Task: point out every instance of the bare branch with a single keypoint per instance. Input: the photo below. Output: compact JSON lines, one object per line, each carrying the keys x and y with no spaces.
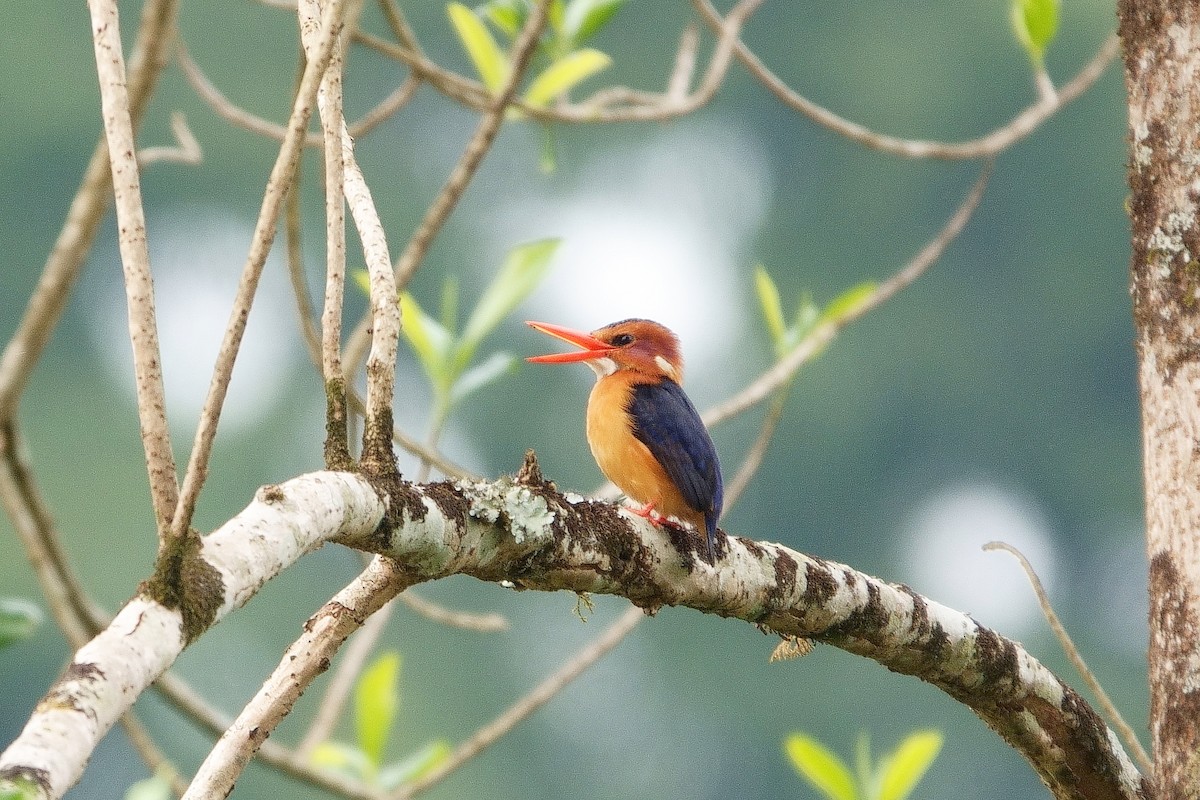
{"x":108,"y":673}
{"x":329,"y":712}
{"x":985,"y":146}
{"x":66,"y":258}
{"x":135,"y":259}
{"x":758,"y":450}
{"x":530,"y":534}
{"x":464,"y":171}
{"x":783,"y":370}
{"x":1064,"y":640}
{"x":527,"y":705}
{"x":466,"y":620}
{"x":307,"y":657}
{"x":614,"y":104}
{"x":236,"y":115}
{"x":260,"y":246}
{"x":186,"y":149}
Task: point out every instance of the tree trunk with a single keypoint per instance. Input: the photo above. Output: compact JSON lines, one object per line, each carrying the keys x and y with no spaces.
{"x":1162,"y":68}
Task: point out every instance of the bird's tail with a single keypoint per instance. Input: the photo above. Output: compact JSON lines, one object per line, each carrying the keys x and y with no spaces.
{"x":710,"y":524}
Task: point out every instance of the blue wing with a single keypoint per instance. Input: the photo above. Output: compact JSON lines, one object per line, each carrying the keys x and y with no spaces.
{"x":665,"y":420}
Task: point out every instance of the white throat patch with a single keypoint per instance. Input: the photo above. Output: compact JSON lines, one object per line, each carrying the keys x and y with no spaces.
{"x":602,"y":366}
{"x":666,"y":367}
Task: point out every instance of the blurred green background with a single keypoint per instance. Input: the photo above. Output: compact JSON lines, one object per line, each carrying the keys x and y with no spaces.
{"x":995,"y":399}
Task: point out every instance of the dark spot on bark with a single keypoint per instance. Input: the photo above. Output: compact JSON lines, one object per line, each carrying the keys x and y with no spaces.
{"x":920,"y":625}
{"x":271,"y":494}
{"x":337,"y":440}
{"x":996,"y":657}
{"x":449,"y":501}
{"x":86,"y":671}
{"x":688,"y":544}
{"x":780,"y":594}
{"x":939,"y":641}
{"x":819,"y":583}
{"x":1176,"y":710}
{"x":752,"y":547}
{"x":530,"y":473}
{"x":185,"y":582}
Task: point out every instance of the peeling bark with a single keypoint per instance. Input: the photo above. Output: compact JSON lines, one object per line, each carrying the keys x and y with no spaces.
{"x":1161,"y":41}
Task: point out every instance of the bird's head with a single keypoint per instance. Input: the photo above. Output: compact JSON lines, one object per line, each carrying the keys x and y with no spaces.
{"x":638,"y":345}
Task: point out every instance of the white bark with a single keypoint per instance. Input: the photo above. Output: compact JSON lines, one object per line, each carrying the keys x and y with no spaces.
{"x":522,"y":530}
{"x":108,"y":674}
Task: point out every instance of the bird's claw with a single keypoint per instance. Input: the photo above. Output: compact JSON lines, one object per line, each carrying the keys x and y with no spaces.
{"x":647,"y":512}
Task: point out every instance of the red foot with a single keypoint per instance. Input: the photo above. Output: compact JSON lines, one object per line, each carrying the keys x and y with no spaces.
{"x":647,"y":511}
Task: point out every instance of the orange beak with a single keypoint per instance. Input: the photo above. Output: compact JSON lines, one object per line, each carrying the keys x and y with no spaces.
{"x":592,"y":347}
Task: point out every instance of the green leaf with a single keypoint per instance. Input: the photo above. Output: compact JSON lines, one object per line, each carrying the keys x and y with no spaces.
{"x":429,"y":341}
{"x":489,"y":60}
{"x":376,"y":699}
{"x":848,"y":302}
{"x":901,"y":771}
{"x":524,"y":268}
{"x":18,"y":620}
{"x":821,"y":767}
{"x":564,"y":74}
{"x":496,"y":366}
{"x":585,"y":17}
{"x":414,"y":766}
{"x":555,"y":15}
{"x":768,"y":300}
{"x":507,"y":15}
{"x":1035,"y":23}
{"x":156,"y":787}
{"x":342,"y":758}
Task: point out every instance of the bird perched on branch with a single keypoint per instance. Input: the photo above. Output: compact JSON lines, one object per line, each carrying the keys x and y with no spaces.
{"x":644,"y":432}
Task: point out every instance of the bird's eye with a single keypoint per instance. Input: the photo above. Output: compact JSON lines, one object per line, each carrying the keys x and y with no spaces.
{"x":622,"y":339}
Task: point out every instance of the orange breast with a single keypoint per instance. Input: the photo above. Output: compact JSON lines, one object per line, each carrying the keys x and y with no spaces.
{"x":623,"y":458}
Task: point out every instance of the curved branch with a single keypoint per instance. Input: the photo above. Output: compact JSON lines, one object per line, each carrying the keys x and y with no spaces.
{"x":260,"y":245}
{"x":1048,"y":104}
{"x":783,"y":370}
{"x":527,"y":533}
{"x":66,"y":258}
{"x":613,"y":104}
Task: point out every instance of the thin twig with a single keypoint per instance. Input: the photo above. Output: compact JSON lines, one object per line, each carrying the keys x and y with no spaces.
{"x":758,"y":450}
{"x":45,"y":306}
{"x":992,"y":143}
{"x":329,"y":712}
{"x":186,"y":149}
{"x":329,"y":105}
{"x":782,"y":371}
{"x":187,"y":700}
{"x":614,"y":104}
{"x":520,"y":710}
{"x":385,"y":310}
{"x":302,"y":662}
{"x":240,"y":117}
{"x":466,"y":620}
{"x":464,"y":171}
{"x":1068,"y":645}
{"x":135,"y":259}
{"x":260,"y":246}
{"x":685,"y":64}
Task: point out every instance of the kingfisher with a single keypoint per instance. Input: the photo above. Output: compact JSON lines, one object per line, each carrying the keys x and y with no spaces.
{"x":644,"y":432}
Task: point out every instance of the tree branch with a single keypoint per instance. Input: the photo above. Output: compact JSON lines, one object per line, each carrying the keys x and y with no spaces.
{"x":135,"y":259}
{"x":529,"y":534}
